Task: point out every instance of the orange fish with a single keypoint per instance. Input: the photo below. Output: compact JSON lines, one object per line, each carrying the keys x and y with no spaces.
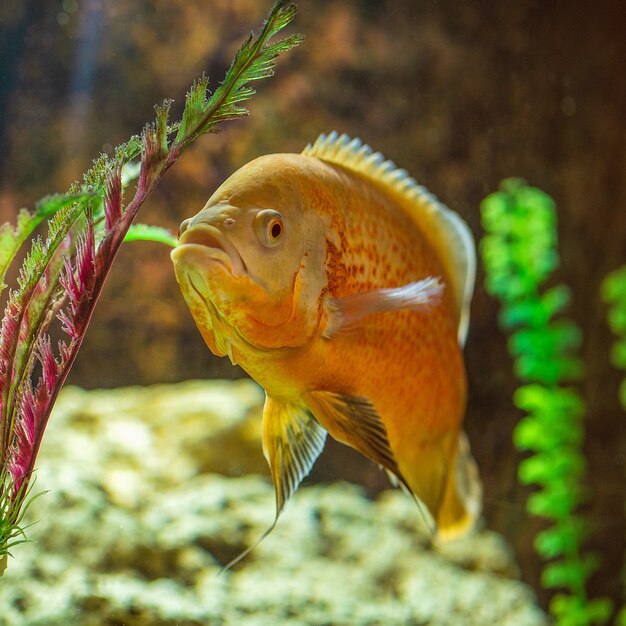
{"x":343,"y":288}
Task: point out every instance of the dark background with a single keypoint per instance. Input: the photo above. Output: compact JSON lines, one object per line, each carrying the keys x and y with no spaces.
{"x":461,"y":93}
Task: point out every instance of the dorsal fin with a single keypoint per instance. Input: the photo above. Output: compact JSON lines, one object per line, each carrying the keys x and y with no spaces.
{"x":449,"y":235}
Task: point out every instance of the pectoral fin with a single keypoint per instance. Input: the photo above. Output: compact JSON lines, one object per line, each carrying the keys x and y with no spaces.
{"x":447,"y":233}
{"x":344,"y":313}
{"x":353,"y":420}
{"x":292,"y":441}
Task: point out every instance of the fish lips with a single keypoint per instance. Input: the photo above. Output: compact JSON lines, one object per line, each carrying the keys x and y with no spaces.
{"x":204,"y":243}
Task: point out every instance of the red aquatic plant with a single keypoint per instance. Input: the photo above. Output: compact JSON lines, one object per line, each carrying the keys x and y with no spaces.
{"x":62,"y":277}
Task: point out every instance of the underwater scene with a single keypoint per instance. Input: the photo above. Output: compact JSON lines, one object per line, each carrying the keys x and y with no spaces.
{"x":314,"y":313}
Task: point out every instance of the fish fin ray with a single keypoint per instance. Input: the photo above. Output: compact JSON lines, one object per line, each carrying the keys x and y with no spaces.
{"x":249,"y":549}
{"x":461,"y":504}
{"x":292,"y":441}
{"x":427,"y":518}
{"x":393,"y":479}
{"x":345,"y":313}
{"x":353,"y":420}
{"x":443,"y":476}
{"x":445,"y":230}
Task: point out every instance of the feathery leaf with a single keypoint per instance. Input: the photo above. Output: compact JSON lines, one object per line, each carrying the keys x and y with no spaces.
{"x":255,"y":60}
{"x":62,"y":277}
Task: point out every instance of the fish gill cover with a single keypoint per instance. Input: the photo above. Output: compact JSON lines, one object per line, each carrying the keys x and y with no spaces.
{"x":61,"y":278}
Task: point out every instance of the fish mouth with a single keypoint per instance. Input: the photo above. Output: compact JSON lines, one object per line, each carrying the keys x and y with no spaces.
{"x":210,"y":242}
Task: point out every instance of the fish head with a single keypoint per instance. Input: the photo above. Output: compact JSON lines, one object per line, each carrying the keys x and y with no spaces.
{"x":250,"y":264}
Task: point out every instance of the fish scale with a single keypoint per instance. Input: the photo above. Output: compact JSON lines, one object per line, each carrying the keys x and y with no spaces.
{"x":351,"y":313}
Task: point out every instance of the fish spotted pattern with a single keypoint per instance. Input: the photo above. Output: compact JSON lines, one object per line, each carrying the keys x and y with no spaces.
{"x":343,"y":288}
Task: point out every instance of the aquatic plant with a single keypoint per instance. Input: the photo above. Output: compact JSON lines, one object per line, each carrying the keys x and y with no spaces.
{"x":519,"y":252}
{"x":613,"y":291}
{"x":62,"y":277}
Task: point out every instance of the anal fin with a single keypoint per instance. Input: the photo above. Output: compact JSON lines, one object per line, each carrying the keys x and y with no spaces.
{"x":353,"y":420}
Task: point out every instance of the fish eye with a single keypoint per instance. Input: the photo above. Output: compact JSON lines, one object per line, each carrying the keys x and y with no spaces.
{"x":269,"y":227}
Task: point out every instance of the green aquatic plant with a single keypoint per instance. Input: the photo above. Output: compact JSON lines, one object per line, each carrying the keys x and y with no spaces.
{"x":519,"y":252}
{"x":62,"y":277}
{"x":613,"y":291}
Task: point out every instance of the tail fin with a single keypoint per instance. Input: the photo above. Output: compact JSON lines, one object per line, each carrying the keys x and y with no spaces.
{"x":461,"y":503}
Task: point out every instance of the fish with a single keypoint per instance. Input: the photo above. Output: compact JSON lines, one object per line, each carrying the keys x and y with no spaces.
{"x":343,"y":287}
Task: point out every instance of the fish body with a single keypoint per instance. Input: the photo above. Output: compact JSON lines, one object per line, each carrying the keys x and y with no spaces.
{"x":343,"y":288}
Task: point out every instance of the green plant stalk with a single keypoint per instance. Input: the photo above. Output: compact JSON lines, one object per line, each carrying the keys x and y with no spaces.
{"x":613,"y":292}
{"x":63,"y":277}
{"x":519,"y":252}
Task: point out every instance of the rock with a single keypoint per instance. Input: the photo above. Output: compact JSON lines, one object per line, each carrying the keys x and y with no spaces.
{"x":153,"y":490}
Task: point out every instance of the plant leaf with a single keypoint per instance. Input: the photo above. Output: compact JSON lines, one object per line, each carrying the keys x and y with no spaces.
{"x":145,"y":232}
{"x":63,"y":277}
{"x":255,"y":60}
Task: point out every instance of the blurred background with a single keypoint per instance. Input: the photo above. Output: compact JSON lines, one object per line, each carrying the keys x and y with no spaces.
{"x":461,"y":93}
